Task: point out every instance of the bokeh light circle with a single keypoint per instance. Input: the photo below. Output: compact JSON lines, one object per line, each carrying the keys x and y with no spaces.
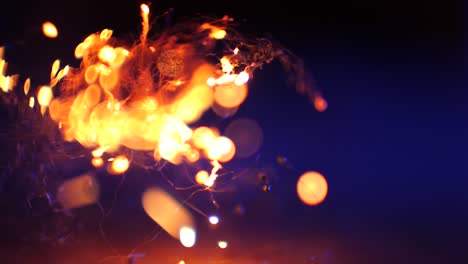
{"x":312,"y":188}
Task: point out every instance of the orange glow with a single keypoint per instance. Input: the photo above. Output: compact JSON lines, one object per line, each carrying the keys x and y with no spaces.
{"x":44,"y":96}
{"x":215,"y":32}
{"x":55,"y":68}
{"x":144,"y":9}
{"x":27,"y":85}
{"x":320,"y":104}
{"x":242,"y":78}
{"x":218,"y":34}
{"x":312,"y":188}
{"x":223,"y":150}
{"x":7,"y":83}
{"x":99,"y":151}
{"x":149,"y":95}
{"x":192,"y":155}
{"x":230,"y":95}
{"x":107,"y":54}
{"x":223,"y":111}
{"x":97,"y":162}
{"x":201,"y":177}
{"x":204,"y":137}
{"x":49,"y":30}
{"x":226,"y":65}
{"x":120,"y":165}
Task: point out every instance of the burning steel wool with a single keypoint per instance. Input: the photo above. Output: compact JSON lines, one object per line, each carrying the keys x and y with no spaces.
{"x":128,"y":102}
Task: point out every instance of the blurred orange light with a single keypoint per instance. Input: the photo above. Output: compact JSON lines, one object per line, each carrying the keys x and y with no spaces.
{"x":119,"y":165}
{"x":320,"y":104}
{"x":201,"y":177}
{"x":312,"y":188}
{"x":230,"y":95}
{"x":97,"y":162}
{"x":49,"y":30}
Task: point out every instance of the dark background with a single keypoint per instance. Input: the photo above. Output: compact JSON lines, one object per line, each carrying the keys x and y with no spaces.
{"x":392,"y":144}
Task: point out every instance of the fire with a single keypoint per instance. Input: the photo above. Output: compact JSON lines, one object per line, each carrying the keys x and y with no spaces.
{"x":148,"y":96}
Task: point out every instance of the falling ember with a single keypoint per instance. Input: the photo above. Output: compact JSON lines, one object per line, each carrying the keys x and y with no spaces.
{"x":312,"y":188}
{"x":49,"y":30}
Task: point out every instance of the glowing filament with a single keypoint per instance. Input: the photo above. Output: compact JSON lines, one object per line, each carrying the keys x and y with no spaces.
{"x":214,"y":174}
{"x":145,"y":24}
